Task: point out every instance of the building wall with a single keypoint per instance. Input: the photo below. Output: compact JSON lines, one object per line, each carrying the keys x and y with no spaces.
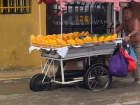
{"x":135,"y":8}
{"x":15,"y":30}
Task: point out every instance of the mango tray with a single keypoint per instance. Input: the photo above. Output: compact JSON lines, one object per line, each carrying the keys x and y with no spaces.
{"x":49,"y":46}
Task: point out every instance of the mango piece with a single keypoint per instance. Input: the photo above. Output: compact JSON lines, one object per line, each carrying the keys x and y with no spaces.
{"x":114,"y":37}
{"x":54,"y":36}
{"x":87,"y":39}
{"x":71,"y":36}
{"x":107,"y":39}
{"x":71,"y":42}
{"x":48,"y":37}
{"x":101,"y":39}
{"x":79,"y":41}
{"x":32,"y":38}
{"x":54,"y":43}
{"x":76,"y":34}
{"x":95,"y":39}
{"x":82,"y":33}
{"x":50,"y":41}
{"x":65,"y":37}
{"x":85,"y":34}
{"x":62,"y":43}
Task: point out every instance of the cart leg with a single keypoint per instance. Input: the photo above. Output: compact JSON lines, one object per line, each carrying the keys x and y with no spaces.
{"x":53,"y":70}
{"x":47,"y":71}
{"x":62,"y":71}
{"x":89,"y":55}
{"x":41,"y":64}
{"x":44,"y":66}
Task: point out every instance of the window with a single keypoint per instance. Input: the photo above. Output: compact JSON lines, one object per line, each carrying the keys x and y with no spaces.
{"x":15,"y":6}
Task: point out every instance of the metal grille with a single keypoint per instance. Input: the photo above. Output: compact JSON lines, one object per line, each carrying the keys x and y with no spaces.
{"x":80,"y":16}
{"x":14,"y":6}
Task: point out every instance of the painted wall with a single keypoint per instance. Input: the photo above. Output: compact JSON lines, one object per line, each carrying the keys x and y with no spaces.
{"x":14,"y":37}
{"x":135,"y":8}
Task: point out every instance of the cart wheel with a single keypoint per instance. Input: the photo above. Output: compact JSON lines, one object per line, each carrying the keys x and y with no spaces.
{"x":96,"y":77}
{"x":37,"y":85}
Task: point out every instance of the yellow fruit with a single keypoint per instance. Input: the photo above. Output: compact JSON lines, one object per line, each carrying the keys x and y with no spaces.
{"x":82,"y":33}
{"x":95,"y":39}
{"x":54,"y":42}
{"x":48,"y":37}
{"x":87,"y":39}
{"x":107,"y":39}
{"x":114,"y":37}
{"x":54,"y":36}
{"x":85,"y":34}
{"x":50,"y":41}
{"x":71,"y":42}
{"x":42,"y":40}
{"x":71,"y":36}
{"x":79,"y":41}
{"x":46,"y":42}
{"x":59,"y":36}
{"x":76,"y":34}
{"x":38,"y":40}
{"x":101,"y":39}
{"x":40,"y":36}
{"x":62,"y":43}
{"x":65,"y":37}
{"x":32,"y":38}
{"x":76,"y":39}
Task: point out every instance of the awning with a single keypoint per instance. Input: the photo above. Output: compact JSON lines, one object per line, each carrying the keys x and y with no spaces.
{"x":61,"y":3}
{"x":47,"y":1}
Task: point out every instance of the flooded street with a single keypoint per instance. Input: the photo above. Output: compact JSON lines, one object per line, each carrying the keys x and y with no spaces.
{"x":17,"y":92}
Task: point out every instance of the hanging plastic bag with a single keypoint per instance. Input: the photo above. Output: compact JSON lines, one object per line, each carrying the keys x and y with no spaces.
{"x":118,"y":66}
{"x":131,"y":61}
{"x":132,"y":54}
{"x":126,"y":46}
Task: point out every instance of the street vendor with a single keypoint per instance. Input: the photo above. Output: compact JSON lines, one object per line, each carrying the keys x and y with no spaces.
{"x":131,"y":28}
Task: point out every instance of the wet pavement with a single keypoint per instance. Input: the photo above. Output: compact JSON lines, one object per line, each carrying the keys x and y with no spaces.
{"x":17,"y":92}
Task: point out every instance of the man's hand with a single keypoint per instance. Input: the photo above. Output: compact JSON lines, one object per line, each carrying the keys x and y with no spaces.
{"x":127,"y":38}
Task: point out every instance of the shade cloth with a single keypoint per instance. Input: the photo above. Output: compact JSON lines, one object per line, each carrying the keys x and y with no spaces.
{"x":62,"y":4}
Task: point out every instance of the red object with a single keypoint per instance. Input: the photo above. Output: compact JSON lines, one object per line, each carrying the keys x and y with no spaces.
{"x":46,"y":1}
{"x":131,"y":61}
{"x":59,"y":14}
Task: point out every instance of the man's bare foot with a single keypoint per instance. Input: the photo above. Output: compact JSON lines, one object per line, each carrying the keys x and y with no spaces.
{"x":136,"y":80}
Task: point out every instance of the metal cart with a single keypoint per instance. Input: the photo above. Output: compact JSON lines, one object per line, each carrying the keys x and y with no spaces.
{"x":94,"y":75}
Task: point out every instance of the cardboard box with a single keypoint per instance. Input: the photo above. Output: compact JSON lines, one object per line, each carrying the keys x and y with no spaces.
{"x":75,"y":64}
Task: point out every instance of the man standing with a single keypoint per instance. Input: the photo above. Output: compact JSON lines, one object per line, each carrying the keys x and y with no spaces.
{"x":131,"y":28}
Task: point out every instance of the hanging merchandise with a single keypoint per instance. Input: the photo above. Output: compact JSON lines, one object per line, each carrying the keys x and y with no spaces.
{"x":116,"y":2}
{"x":46,"y":1}
{"x":118,"y":64}
{"x":126,"y":47}
{"x":131,"y":61}
{"x":124,"y":4}
{"x":132,"y":54}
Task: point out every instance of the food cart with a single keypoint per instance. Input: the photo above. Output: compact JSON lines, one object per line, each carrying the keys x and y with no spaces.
{"x":93,"y":75}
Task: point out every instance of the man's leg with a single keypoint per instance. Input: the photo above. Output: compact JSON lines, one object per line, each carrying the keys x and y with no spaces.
{"x":135,"y":73}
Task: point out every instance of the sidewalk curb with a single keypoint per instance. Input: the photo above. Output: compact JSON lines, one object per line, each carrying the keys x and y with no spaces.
{"x":6,"y":79}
